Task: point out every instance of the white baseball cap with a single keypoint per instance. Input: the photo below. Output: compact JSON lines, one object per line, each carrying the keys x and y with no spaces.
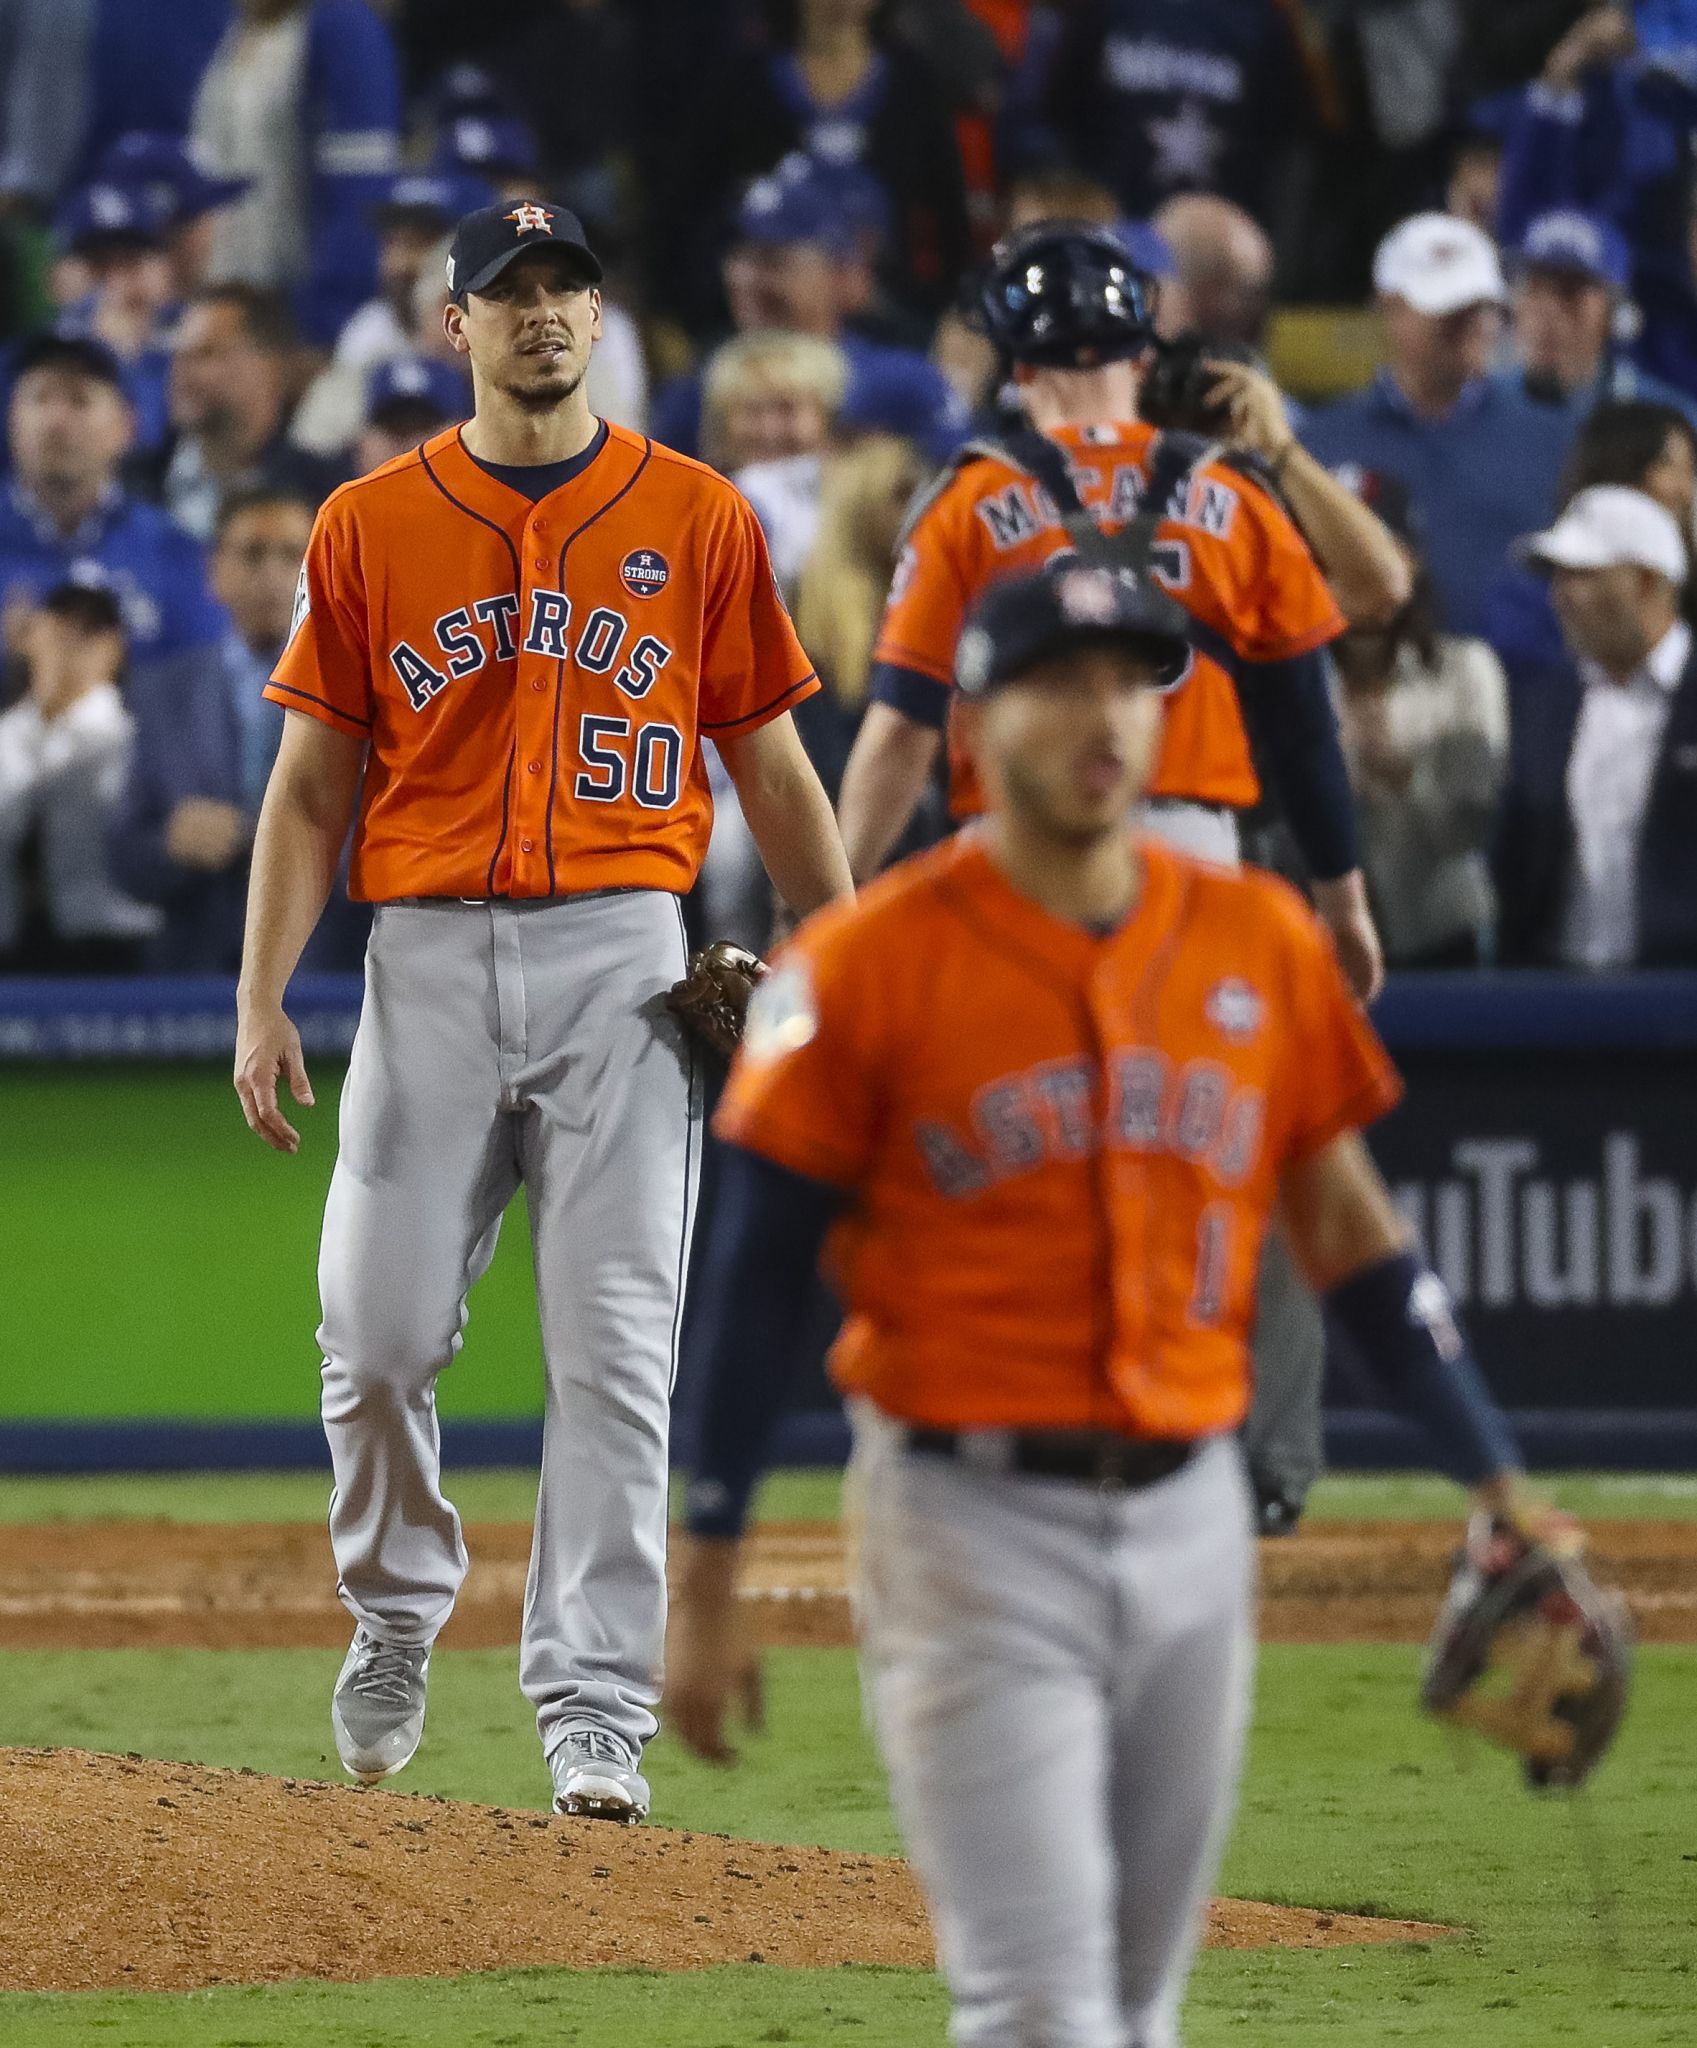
{"x":1606,"y":526}
{"x":1438,"y":264}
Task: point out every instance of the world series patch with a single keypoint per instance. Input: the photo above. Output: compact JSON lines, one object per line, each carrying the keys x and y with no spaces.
{"x":644,"y":573}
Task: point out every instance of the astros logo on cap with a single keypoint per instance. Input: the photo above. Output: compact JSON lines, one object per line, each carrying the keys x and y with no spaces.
{"x":527,"y":217}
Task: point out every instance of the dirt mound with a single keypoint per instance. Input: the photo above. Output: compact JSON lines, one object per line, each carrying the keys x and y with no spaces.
{"x":120,"y":1873}
{"x":265,"y":1585}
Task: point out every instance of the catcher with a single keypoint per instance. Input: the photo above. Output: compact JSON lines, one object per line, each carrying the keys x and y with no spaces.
{"x":1040,"y":1091}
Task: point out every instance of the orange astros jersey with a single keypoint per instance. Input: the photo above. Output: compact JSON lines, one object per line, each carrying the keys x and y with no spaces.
{"x":535,"y":680}
{"x":1233,"y":559}
{"x":1063,"y":1149}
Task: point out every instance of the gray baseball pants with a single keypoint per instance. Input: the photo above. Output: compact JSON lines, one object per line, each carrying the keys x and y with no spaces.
{"x":1059,"y":1678}
{"x":502,"y":1043}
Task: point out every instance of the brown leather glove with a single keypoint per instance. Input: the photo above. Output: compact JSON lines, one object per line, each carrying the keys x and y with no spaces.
{"x":711,"y":1001}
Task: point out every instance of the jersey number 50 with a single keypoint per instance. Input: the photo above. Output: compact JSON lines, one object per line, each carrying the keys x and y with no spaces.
{"x":648,"y":765}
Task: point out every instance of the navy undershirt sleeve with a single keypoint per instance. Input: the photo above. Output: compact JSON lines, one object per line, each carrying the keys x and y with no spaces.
{"x":919,"y":697}
{"x":757,"y":1278}
{"x":1396,"y":1317}
{"x":1288,"y":704}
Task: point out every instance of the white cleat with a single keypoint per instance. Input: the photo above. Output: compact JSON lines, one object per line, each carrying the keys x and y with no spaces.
{"x":377,"y":1709}
{"x":596,"y":1778}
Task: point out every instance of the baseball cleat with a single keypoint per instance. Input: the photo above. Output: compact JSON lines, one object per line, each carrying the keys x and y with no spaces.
{"x":596,"y":1778}
{"x":377,"y":1709}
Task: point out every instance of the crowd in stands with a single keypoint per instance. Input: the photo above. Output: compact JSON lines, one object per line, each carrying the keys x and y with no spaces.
{"x":222,"y":235}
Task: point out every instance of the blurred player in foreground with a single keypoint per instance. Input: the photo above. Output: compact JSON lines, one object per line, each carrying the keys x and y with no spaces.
{"x":1044,"y":1087}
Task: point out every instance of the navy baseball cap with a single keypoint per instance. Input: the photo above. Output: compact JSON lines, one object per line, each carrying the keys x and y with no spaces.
{"x":488,"y":143}
{"x":434,"y":199}
{"x":1022,"y":620}
{"x":111,"y":214}
{"x":794,"y":204}
{"x":486,"y":241}
{"x":418,"y":381}
{"x":161,"y":164}
{"x":1583,"y":243}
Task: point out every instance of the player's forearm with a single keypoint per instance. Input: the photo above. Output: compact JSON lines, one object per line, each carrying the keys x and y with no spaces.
{"x":790,"y":816}
{"x":891,"y":762}
{"x":295,"y":853}
{"x":1358,"y":555}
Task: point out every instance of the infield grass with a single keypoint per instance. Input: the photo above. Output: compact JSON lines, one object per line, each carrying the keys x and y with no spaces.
{"x":1351,"y":1803}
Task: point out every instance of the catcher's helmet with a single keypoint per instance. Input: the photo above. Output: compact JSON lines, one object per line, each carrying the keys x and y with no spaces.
{"x":1067,"y":295}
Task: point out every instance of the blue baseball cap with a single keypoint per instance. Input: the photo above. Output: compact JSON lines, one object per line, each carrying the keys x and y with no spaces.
{"x":417,"y":380}
{"x":1148,"y":248}
{"x":1584,"y":243}
{"x":180,"y":189}
{"x":795,"y":204}
{"x":106,"y":214}
{"x":486,"y":241}
{"x":434,"y":199}
{"x":489,"y":143}
{"x":1023,"y":620}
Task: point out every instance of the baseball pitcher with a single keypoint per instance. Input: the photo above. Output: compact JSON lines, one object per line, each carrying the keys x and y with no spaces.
{"x":509,"y":646}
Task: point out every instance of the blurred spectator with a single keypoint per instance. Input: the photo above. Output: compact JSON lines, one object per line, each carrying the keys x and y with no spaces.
{"x":205,"y":739}
{"x":498,"y":150}
{"x":1424,"y":719}
{"x":836,"y":86}
{"x":794,"y":264}
{"x":144,"y":69}
{"x":413,"y":220}
{"x":772,"y":402}
{"x":1478,"y":458}
{"x":1156,"y":97}
{"x":770,"y":396}
{"x":1597,"y":849}
{"x":407,"y":401}
{"x":573,"y":68}
{"x":1223,"y":270}
{"x":188,"y":201}
{"x":44,"y":48}
{"x":301,"y":98}
{"x":115,"y":261}
{"x":1649,"y":448}
{"x":66,"y":516}
{"x":63,"y":752}
{"x":1058,"y":192}
{"x":1472,"y":190}
{"x":232,"y":378}
{"x":1570,"y":299}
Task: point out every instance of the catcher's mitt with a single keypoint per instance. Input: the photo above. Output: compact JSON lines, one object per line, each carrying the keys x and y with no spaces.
{"x":712,"y":999}
{"x":1529,"y":1650}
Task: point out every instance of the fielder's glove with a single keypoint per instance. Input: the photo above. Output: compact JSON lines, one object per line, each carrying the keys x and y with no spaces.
{"x":712,"y":999}
{"x":1529,"y":1650}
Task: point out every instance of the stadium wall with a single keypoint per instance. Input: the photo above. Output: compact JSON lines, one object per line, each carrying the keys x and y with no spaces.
{"x":162,"y":1263}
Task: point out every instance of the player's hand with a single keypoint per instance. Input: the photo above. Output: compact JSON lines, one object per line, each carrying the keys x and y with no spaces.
{"x":711,"y":1665}
{"x":1257,"y":420}
{"x":204,"y":832}
{"x":1508,"y":1498}
{"x":1342,"y":906}
{"x":268,"y":1045}
{"x":1599,"y":37}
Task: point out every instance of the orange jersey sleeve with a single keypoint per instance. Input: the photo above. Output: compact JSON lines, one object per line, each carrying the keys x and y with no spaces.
{"x":1250,"y":574}
{"x":804,"y":1089}
{"x":938,"y":575}
{"x":325,"y":669}
{"x":753,"y":667}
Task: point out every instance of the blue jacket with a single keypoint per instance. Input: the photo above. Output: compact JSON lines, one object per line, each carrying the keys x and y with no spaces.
{"x":1533,"y":855}
{"x":189,"y":742}
{"x":155,"y":569}
{"x":1478,"y":479}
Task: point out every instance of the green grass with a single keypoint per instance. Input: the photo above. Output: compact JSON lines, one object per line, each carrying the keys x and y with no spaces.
{"x":509,"y":1495}
{"x":1351,"y":1802}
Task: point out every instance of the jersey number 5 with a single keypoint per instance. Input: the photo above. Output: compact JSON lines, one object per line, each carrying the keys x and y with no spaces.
{"x":649,"y":765}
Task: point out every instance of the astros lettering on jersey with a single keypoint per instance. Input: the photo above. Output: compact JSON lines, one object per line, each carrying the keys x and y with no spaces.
{"x":1064,"y":1148}
{"x":535,"y":680}
{"x":1230,"y":555}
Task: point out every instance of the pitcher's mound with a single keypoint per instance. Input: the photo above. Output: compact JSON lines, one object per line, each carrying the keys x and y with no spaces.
{"x":123,"y":1873}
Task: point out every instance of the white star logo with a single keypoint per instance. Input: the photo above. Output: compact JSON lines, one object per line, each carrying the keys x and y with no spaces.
{"x":1187,"y":146}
